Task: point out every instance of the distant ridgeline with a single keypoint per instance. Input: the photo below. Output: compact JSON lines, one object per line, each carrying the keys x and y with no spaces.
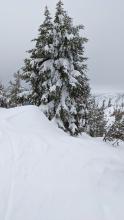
{"x":112,"y":103}
{"x":114,"y":113}
{"x":116,"y":100}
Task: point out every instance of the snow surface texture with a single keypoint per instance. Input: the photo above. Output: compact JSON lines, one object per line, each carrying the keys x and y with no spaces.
{"x":47,"y":175}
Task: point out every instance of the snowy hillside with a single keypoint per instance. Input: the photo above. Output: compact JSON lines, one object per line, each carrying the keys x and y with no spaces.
{"x":47,"y":175}
{"x":116,"y":98}
{"x":116,"y":102}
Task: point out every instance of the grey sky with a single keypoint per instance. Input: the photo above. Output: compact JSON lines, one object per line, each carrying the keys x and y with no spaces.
{"x":104,"y":26}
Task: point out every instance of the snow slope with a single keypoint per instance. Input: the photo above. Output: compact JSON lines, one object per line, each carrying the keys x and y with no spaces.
{"x":47,"y":175}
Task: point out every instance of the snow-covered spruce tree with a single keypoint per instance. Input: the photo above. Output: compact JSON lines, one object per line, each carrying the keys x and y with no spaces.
{"x":56,"y":71}
{"x":71,"y":88}
{"x":3,"y":99}
{"x":96,"y":119}
{"x":116,"y":131}
{"x":37,"y":69}
{"x":14,"y":91}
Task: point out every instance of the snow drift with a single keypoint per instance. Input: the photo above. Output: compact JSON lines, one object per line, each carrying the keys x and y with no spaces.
{"x":47,"y":175}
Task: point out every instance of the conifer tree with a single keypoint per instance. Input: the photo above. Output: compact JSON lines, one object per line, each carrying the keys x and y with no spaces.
{"x":109,"y":102}
{"x":96,"y":119}
{"x":37,"y":70}
{"x":3,"y":98}
{"x":56,"y":72}
{"x":116,"y":131}
{"x":14,"y":91}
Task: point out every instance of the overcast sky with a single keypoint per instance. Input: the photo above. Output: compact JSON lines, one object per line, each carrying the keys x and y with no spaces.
{"x":104,"y":27}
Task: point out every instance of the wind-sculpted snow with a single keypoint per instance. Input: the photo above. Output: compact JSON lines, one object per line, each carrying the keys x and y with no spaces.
{"x":46,"y":174}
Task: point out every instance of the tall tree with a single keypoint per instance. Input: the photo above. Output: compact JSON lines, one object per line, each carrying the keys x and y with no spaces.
{"x":36,"y":70}
{"x":56,"y":72}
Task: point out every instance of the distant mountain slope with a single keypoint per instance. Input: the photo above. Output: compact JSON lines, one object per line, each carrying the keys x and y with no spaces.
{"x":111,"y":101}
{"x":117,"y":99}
